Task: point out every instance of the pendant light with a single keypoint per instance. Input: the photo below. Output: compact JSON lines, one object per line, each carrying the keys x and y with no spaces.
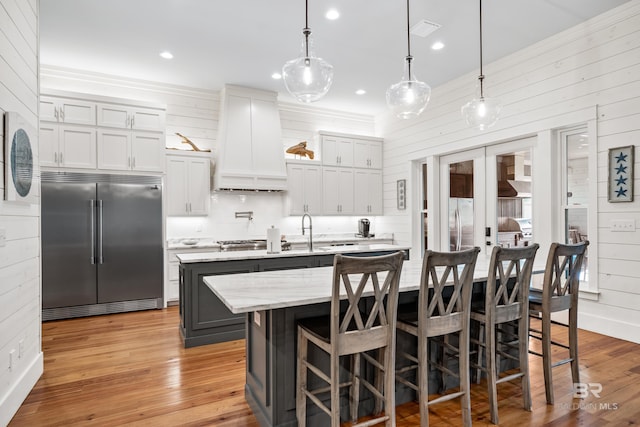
{"x":409,"y":97}
{"x":482,"y":112}
{"x":308,"y":78}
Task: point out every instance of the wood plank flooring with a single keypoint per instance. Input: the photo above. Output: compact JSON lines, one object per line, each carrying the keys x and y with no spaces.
{"x":131,"y":369}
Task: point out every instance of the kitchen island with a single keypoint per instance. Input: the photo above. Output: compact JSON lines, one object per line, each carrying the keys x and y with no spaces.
{"x":271,"y":324}
{"x":204,"y":319}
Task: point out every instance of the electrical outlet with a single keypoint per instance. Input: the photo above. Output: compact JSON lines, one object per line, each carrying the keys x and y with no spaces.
{"x":623,"y":225}
{"x":3,"y":237}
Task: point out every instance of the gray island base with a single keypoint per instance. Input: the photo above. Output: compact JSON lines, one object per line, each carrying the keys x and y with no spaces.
{"x":274,"y":302}
{"x":204,"y":319}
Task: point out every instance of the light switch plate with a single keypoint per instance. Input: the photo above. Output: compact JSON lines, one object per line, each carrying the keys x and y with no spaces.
{"x":3,"y":237}
{"x":623,"y":225}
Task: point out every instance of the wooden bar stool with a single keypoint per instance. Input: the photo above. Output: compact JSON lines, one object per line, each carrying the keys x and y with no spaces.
{"x":506,"y":300}
{"x":559,"y":292}
{"x":441,"y":312}
{"x":364,"y":326}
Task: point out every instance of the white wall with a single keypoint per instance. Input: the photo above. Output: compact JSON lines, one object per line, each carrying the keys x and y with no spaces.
{"x":20,"y":257}
{"x":587,"y":74}
{"x":194,"y":113}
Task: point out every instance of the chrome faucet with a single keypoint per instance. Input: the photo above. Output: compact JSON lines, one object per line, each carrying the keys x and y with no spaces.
{"x":310,"y":230}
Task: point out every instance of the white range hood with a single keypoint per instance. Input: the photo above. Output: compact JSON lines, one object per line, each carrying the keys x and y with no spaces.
{"x":250,"y":151}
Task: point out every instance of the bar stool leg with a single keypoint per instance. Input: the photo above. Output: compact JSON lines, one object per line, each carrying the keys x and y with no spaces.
{"x":573,"y":344}
{"x":492,"y":376}
{"x":355,"y":386}
{"x":335,"y":390}
{"x":301,"y":381}
{"x":380,"y":379}
{"x":546,"y":356}
{"x":423,"y":380}
{"x":463,"y":354}
{"x":523,"y":346}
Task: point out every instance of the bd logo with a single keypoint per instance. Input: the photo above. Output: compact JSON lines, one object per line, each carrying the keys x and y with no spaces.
{"x":582,"y":390}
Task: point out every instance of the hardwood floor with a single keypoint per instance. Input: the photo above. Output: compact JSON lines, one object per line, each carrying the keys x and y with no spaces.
{"x":131,"y":369}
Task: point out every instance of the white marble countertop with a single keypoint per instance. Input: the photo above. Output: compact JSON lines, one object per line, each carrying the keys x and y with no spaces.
{"x":318,"y":250}
{"x":243,"y":293}
{"x":318,"y":240}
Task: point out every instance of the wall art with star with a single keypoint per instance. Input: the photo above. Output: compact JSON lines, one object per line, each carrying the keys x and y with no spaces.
{"x":621,"y":174}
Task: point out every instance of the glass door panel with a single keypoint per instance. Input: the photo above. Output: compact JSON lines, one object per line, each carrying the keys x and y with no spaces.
{"x":462,"y":207}
{"x":576,"y":196}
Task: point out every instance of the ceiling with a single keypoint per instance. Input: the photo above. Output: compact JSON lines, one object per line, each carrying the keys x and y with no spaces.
{"x":244,"y":42}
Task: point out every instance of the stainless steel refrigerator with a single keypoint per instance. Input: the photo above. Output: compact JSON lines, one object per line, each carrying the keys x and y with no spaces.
{"x":101,"y":244}
{"x":460,"y":224}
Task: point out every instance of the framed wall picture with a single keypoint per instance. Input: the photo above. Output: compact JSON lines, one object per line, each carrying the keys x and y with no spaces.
{"x":19,"y":141}
{"x":402,"y":193}
{"x":621,"y":174}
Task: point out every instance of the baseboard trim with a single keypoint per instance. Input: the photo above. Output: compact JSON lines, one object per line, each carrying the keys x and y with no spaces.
{"x":610,"y":327}
{"x":16,"y":395}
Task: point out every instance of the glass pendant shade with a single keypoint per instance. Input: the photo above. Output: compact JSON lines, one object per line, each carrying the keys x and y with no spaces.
{"x":308,"y":78}
{"x":481,"y":113}
{"x":409,"y":97}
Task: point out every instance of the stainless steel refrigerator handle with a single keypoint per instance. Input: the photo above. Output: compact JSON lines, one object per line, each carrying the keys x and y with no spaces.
{"x":92,"y":216}
{"x":100,"y":221}
{"x":459,"y":226}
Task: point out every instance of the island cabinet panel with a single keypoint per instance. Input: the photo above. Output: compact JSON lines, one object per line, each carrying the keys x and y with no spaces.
{"x":204,"y":319}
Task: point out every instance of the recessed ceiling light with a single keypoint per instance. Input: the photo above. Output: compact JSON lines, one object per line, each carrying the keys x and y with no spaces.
{"x":361,"y":92}
{"x":332,"y":14}
{"x":437,"y":45}
{"x":166,"y":54}
{"x":276,"y":76}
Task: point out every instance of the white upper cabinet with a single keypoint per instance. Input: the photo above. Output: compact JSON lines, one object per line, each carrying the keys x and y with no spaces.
{"x":367,"y":153}
{"x":67,"y":146}
{"x":126,"y":150}
{"x":337,"y":151}
{"x":109,"y":136}
{"x":250,"y":154}
{"x":67,"y":110}
{"x":188,"y":177}
{"x":128,"y":117}
{"x":305,"y":188}
{"x":368,"y":192}
{"x":338,"y":194}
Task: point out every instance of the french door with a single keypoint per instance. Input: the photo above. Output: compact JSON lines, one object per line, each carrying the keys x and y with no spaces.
{"x":486,"y":198}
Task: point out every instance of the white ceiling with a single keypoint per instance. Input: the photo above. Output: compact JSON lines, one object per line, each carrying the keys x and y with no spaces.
{"x":244,"y":41}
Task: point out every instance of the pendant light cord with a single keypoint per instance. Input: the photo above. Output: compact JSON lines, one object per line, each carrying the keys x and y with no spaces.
{"x":481,"y":76}
{"x":306,"y":31}
{"x":409,"y":57}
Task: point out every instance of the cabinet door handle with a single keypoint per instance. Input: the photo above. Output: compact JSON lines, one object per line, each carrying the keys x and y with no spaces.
{"x":61,"y":114}
{"x":133,"y":121}
{"x":190,"y":208}
{"x":55,"y":112}
{"x":61,"y":158}
{"x":129,"y":162}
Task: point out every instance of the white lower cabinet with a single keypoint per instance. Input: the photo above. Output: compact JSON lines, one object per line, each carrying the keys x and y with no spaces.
{"x":67,"y":146}
{"x":338,"y":191}
{"x":305,"y":188}
{"x":368,"y":191}
{"x":172,"y":280}
{"x":188,"y":184}
{"x":127,"y":150}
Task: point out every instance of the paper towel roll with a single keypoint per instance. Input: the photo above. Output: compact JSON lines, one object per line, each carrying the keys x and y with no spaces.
{"x":273,"y":240}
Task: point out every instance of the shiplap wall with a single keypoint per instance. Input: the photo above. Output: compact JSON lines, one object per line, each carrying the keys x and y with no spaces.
{"x":589,"y":71}
{"x":20,"y":257}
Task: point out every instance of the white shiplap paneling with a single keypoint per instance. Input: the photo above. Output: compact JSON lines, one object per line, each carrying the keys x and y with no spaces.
{"x":19,"y":257}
